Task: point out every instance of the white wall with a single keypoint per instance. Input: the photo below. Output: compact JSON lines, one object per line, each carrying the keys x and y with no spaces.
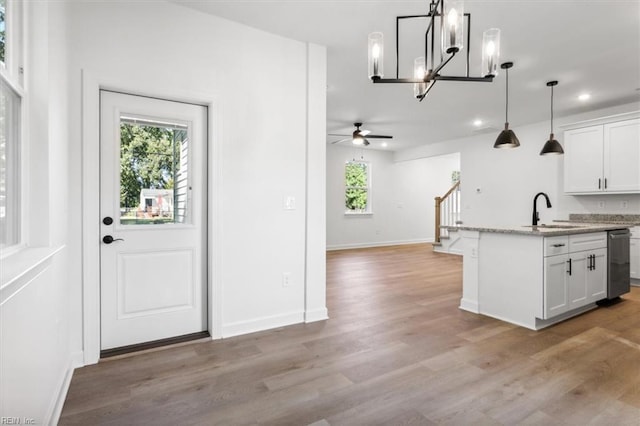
{"x":402,"y":198}
{"x":508,"y":180}
{"x":37,"y":323}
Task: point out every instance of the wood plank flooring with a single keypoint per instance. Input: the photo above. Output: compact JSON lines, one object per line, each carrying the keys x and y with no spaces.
{"x":397,"y":350}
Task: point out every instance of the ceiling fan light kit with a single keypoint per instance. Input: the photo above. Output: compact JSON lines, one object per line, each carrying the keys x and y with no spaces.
{"x":447,"y":17}
{"x":358,"y":136}
{"x":506,"y":138}
{"x":552,"y":146}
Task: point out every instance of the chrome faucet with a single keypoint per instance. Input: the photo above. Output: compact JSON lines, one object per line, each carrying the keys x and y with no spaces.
{"x":536,"y":216}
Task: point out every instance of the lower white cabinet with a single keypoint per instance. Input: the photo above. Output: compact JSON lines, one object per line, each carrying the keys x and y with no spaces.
{"x":556,"y":294}
{"x":575,"y":278}
{"x":634,"y":252}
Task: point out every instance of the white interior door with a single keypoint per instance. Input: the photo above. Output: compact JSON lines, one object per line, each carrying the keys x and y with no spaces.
{"x":153,"y":219}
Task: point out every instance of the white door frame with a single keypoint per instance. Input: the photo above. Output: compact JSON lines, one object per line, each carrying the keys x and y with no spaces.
{"x":91,"y":86}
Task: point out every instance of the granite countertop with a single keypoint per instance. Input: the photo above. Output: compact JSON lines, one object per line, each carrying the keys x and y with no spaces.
{"x":550,"y":230}
{"x":626,"y":219}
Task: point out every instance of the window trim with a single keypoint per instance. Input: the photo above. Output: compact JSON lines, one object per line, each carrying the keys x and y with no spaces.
{"x":11,"y":73}
{"x":369,"y":210}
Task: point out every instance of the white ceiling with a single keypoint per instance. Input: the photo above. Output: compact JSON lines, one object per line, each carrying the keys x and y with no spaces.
{"x":588,"y":46}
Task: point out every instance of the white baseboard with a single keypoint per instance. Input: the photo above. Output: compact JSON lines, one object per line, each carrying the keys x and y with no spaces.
{"x":469,"y":305}
{"x":316,"y":315}
{"x":377,"y":244}
{"x":77,"y":359}
{"x":261,"y":324}
{"x":57,"y":402}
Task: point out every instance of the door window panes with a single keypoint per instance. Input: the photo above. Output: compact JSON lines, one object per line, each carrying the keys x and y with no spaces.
{"x":154,"y":181}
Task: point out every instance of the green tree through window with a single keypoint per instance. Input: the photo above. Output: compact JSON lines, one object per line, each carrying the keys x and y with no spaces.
{"x":147,"y":160}
{"x":3,"y":14}
{"x":356,"y":186}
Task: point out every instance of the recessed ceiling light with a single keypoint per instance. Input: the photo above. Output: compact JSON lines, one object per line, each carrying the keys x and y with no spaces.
{"x":584,"y":97}
{"x":477,"y":122}
{"x":384,"y":144}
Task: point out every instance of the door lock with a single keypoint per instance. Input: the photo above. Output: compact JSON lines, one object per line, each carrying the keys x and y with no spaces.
{"x":108,"y":239}
{"x":107,"y":220}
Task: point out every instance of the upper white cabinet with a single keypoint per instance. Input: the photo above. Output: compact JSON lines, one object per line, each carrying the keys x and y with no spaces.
{"x":603,"y":158}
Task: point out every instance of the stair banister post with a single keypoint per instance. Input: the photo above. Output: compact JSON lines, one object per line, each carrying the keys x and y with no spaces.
{"x":437,"y":234}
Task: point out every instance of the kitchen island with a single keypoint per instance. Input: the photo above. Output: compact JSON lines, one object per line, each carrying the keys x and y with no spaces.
{"x":534,"y":276}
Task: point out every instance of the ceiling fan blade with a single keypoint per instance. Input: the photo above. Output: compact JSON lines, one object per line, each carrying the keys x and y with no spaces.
{"x":365,"y":142}
{"x":342,"y":140}
{"x":364,"y":132}
{"x":337,"y":134}
{"x":380,"y":136}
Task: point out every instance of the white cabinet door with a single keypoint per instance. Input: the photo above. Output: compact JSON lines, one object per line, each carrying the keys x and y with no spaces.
{"x":622,"y":156}
{"x":597,"y":275}
{"x":583,"y":160}
{"x":634,"y":252}
{"x":555,"y":285}
{"x":577,"y":280}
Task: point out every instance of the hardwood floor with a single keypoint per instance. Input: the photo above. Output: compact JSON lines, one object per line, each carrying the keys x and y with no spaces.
{"x":397,"y":350}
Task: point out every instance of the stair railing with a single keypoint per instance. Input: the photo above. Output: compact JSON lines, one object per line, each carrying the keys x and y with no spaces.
{"x":447,"y":210}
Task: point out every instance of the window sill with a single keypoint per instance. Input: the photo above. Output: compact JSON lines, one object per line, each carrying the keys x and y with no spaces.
{"x":20,"y":267}
{"x":356,"y":214}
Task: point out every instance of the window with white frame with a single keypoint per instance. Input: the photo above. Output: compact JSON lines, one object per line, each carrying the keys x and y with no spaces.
{"x":3,"y":32}
{"x":357,"y":182}
{"x":9,"y":166}
{"x":11,"y":100}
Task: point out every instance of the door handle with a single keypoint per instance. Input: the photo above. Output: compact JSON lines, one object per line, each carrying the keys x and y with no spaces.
{"x":108,"y":239}
{"x":569,"y":262}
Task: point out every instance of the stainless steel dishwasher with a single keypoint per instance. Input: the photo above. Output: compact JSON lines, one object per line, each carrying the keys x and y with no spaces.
{"x":619,"y":272}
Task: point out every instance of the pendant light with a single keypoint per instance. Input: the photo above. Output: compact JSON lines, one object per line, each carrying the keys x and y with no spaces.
{"x":506,"y":138}
{"x":552,"y":146}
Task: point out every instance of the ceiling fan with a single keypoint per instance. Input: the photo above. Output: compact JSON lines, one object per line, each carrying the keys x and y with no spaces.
{"x":358,"y":136}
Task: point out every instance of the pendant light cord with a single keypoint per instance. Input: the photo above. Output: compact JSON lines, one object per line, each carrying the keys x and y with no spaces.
{"x":506,"y":111}
{"x":551,"y":109}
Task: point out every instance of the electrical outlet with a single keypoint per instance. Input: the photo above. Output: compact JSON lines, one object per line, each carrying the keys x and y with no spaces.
{"x":624,"y":204}
{"x":286,"y":279}
{"x":601,"y":204}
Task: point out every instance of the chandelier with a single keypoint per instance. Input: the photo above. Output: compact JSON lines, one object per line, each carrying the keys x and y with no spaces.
{"x":447,"y":18}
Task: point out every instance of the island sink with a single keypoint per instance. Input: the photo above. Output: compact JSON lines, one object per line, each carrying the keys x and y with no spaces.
{"x":555,"y":226}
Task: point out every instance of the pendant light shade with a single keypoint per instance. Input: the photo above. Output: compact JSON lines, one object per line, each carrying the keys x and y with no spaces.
{"x":552,"y":146}
{"x":506,"y":138}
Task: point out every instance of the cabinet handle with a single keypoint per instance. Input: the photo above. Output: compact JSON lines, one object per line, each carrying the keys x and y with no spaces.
{"x":599,"y":183}
{"x":569,"y":262}
{"x":605,"y":183}
{"x":593,"y":257}
{"x":558,"y":245}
